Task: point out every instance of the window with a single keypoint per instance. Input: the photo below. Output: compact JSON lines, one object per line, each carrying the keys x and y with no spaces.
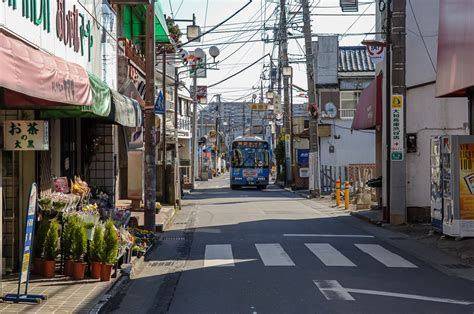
{"x":349,"y":100}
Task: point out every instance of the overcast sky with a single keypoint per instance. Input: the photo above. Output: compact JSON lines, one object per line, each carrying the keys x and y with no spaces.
{"x":246,"y":24}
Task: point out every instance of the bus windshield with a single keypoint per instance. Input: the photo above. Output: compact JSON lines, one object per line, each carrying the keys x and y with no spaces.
{"x":249,"y":157}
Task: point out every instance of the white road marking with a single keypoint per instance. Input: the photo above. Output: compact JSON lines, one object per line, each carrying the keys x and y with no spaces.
{"x":329,"y":255}
{"x":384,"y":256}
{"x":272,"y":254}
{"x":408,"y":296}
{"x":327,"y":235}
{"x":218,"y":255}
{"x":332,"y":290}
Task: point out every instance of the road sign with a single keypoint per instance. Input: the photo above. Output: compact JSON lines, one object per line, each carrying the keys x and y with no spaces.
{"x":160,"y":104}
{"x":376,"y":53}
{"x":199,"y":69}
{"x":397,"y":124}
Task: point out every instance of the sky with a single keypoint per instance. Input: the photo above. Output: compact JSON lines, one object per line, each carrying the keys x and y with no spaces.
{"x":236,"y":53}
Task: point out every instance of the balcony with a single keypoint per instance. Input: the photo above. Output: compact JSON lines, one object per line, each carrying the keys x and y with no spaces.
{"x":347,"y":114}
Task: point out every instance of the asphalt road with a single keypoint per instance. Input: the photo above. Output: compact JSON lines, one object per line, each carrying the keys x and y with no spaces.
{"x":271,"y":251}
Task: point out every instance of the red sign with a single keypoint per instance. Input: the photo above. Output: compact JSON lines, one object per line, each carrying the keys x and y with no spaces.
{"x":61,"y":185}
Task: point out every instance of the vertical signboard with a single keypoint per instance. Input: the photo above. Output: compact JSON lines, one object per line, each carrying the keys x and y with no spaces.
{"x":397,"y":124}
{"x":28,"y":243}
{"x":466,"y":184}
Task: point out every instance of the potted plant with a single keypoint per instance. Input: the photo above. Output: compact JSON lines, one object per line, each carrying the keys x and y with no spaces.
{"x":96,"y":250}
{"x":50,"y":249}
{"x":43,"y":228}
{"x":109,"y":255}
{"x":79,"y":245}
{"x":67,"y":240}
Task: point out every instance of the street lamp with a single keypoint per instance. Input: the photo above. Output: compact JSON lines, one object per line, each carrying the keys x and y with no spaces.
{"x":349,"y":5}
{"x":269,"y":94}
{"x":287,"y":72}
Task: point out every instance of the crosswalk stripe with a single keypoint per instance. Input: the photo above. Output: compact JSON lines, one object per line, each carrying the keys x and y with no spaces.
{"x":272,"y":254}
{"x":384,"y":256}
{"x":329,"y":255}
{"x":218,"y":255}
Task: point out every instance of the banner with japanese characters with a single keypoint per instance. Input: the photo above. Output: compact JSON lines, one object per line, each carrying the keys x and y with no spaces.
{"x":26,"y":135}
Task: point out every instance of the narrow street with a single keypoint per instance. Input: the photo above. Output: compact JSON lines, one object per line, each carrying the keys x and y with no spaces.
{"x":271,"y":251}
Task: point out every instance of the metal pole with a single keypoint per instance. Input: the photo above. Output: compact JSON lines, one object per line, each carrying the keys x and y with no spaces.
{"x":388,"y":109}
{"x":292,"y":159}
{"x":177,"y":172}
{"x":163,"y":178}
{"x":150,"y":134}
{"x":194,"y":135}
{"x":313,"y":123}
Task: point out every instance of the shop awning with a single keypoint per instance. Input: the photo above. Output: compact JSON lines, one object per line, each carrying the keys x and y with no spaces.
{"x":102,"y":102}
{"x":455,"y":67}
{"x":368,"y":114}
{"x":49,"y":80}
{"x":126,"y":111}
{"x":135,"y":23}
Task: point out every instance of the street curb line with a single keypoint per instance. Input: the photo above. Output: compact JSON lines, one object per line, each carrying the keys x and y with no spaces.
{"x":364,"y":218}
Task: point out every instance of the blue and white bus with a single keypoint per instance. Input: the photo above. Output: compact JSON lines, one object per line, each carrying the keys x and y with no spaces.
{"x":250,"y":162}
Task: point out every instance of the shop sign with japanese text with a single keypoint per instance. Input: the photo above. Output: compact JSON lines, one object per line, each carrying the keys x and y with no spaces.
{"x":29,"y":228}
{"x":26,"y":135}
{"x":64,"y":28}
{"x":397,"y":124}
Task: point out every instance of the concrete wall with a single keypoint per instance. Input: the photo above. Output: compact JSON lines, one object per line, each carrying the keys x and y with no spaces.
{"x":357,"y":147}
{"x":426,"y":115}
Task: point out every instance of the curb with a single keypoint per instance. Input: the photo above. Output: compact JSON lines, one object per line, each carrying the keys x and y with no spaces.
{"x":364,"y":218}
{"x":167,"y":223}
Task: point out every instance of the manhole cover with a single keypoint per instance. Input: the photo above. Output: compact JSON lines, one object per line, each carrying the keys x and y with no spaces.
{"x":458,"y":266}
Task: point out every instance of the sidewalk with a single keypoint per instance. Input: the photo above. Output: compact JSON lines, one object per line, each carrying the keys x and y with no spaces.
{"x":64,"y":295}
{"x":462,"y":249}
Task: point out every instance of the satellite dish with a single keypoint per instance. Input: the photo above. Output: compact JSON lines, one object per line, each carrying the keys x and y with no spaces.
{"x":331,"y":110}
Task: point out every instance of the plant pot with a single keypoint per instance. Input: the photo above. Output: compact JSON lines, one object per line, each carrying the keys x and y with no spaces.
{"x":38,"y":266}
{"x":68,"y":266}
{"x":96,"y":268}
{"x":49,"y":268}
{"x":106,"y":272}
{"x":78,"y":270}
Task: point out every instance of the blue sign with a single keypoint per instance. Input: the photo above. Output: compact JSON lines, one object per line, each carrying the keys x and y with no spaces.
{"x":27,"y":253}
{"x":160,"y":104}
{"x":303,"y":157}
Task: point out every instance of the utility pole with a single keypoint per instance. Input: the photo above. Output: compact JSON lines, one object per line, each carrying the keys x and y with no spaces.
{"x":397,"y":177}
{"x":286,"y":95}
{"x":177,"y":172}
{"x":163,"y":161}
{"x":194,"y":135}
{"x":313,"y":122}
{"x":150,"y":133}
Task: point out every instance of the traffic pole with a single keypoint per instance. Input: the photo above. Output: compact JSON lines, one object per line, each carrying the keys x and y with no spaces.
{"x":346,"y":195}
{"x":338,"y":192}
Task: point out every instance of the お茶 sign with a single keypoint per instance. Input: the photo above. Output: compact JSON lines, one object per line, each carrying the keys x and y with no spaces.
{"x":26,"y":135}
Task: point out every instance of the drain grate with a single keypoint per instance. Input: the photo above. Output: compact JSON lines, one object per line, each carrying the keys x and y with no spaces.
{"x":172,"y":239}
{"x":458,"y":266}
{"x":160,"y":264}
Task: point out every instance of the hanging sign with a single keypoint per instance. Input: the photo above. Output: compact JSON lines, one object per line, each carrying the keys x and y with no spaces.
{"x":397,"y":128}
{"x":376,"y":53}
{"x":26,"y":135}
{"x":259,"y":107}
{"x":277,"y":103}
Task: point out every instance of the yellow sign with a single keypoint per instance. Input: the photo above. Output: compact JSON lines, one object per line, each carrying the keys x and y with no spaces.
{"x":397,"y":101}
{"x":466,"y":184}
{"x":259,"y":106}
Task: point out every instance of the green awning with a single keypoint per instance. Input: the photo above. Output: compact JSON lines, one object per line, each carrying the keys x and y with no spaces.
{"x":162,"y":34}
{"x":134,"y":24}
{"x":100,"y":106}
{"x":126,"y":111}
